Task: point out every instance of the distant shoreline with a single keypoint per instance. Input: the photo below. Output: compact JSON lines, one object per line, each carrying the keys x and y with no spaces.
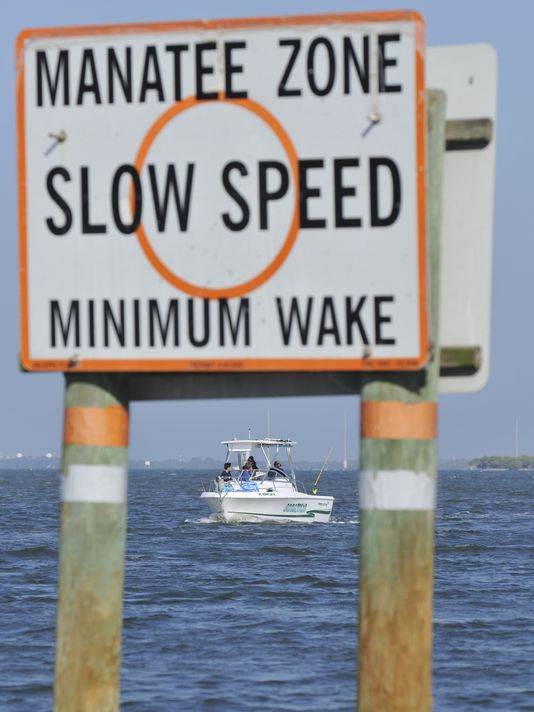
{"x":208,"y":464}
{"x":502,"y":462}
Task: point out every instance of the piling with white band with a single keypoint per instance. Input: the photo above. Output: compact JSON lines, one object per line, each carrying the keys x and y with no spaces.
{"x":94,"y":483}
{"x":398,"y":456}
{"x":397,"y":490}
{"x":93,"y":536}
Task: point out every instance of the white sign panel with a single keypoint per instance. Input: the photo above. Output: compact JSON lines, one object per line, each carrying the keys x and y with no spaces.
{"x":224,"y":195}
{"x":468,"y":75}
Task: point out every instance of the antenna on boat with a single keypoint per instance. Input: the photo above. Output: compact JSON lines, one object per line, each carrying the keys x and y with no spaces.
{"x":249,"y":432}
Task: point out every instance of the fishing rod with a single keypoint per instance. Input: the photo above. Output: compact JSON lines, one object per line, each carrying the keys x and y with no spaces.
{"x":314,"y":490}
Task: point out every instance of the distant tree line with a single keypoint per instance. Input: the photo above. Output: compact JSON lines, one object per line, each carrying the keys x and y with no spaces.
{"x":502,"y":462}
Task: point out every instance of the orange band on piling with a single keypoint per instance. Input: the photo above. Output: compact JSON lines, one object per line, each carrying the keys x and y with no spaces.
{"x":104,"y":427}
{"x":396,"y":420}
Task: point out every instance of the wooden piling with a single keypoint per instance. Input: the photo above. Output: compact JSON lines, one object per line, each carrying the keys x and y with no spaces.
{"x":92,"y":544}
{"x":397,"y":500}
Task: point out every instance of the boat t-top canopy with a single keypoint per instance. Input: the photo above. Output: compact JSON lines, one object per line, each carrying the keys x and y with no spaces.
{"x":248,"y":445}
{"x":267,"y":446}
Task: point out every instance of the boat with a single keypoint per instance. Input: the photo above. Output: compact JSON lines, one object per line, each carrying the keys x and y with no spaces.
{"x":271,"y":494}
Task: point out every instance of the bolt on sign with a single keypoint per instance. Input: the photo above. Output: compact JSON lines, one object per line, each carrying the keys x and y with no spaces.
{"x":225,"y":195}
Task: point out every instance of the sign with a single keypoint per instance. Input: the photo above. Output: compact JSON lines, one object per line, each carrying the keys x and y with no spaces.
{"x":468,"y":75}
{"x":224,"y":196}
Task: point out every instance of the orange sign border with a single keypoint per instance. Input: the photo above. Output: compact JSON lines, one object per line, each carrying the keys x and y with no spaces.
{"x":292,"y":233}
{"x":228,"y":365}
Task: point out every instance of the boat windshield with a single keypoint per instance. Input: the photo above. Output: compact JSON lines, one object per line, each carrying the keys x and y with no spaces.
{"x":271,"y":476}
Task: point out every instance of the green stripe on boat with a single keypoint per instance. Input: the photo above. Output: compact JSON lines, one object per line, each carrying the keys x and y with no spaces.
{"x":307,"y":515}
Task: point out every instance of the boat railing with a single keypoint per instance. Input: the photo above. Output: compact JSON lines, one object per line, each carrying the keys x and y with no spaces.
{"x":216,"y":485}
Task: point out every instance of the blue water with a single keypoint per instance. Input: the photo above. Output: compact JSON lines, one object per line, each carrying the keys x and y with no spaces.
{"x":263,"y":617}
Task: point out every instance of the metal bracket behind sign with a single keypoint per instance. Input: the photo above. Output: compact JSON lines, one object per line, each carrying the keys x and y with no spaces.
{"x":458,"y":361}
{"x":468,"y":134}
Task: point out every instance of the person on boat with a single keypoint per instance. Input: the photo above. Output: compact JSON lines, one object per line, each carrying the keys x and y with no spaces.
{"x":252,"y":463}
{"x":245,"y":473}
{"x":226,"y":474}
{"x":276,"y":471}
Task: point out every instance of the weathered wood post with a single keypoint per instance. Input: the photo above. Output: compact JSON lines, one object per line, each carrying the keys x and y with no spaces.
{"x":92,"y":544}
{"x":397,"y":500}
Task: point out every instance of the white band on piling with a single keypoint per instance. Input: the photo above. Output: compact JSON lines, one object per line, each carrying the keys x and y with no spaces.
{"x":94,"y":483}
{"x":397,"y":490}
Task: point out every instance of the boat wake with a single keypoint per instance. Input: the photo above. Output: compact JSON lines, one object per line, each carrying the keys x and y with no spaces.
{"x":204,"y":520}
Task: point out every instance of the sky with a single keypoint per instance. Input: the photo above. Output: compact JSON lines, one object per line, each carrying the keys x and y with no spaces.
{"x":470,"y":424}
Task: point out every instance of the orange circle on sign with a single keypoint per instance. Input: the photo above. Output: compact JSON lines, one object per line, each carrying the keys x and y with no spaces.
{"x":259,"y":279}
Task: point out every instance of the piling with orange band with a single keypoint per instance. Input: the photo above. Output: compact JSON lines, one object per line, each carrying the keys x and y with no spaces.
{"x":92,"y":544}
{"x":398,"y":468}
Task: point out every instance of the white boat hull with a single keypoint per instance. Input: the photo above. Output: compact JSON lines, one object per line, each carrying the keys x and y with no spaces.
{"x":239,"y":506}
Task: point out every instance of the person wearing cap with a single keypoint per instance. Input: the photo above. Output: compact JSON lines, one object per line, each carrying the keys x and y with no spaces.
{"x":276,"y":470}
